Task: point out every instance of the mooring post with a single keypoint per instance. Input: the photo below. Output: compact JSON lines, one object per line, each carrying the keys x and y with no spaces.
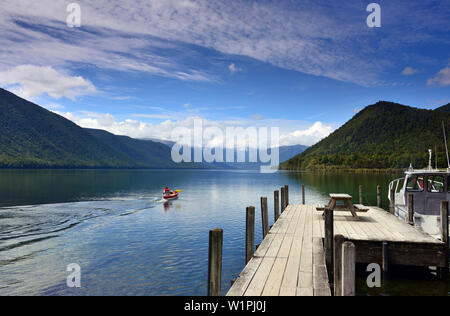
{"x":264,"y":216}
{"x":444,"y":237}
{"x":361,"y":200}
{"x":215,"y":262}
{"x":286,"y":191}
{"x":385,"y":257}
{"x":329,"y":237}
{"x":379,"y":199}
{"x":410,"y":209}
{"x":283,"y":199}
{"x":338,"y":242}
{"x":303,"y":195}
{"x":348,"y":269}
{"x":250,"y":234}
{"x":392,"y":202}
{"x":276,"y":204}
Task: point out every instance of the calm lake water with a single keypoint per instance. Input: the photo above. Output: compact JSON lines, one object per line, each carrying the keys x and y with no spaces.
{"x":128,"y":242}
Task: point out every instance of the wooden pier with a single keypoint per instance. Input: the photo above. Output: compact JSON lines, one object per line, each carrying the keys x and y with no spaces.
{"x":292,"y":259}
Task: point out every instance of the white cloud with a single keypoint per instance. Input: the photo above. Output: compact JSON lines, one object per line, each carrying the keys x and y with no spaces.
{"x":54,"y":106}
{"x":409,"y":71}
{"x":310,"y":37}
{"x":138,"y":129}
{"x":442,"y":79}
{"x":257,"y":117}
{"x":30,"y":81}
{"x":233,"y":69}
{"x":308,"y":136}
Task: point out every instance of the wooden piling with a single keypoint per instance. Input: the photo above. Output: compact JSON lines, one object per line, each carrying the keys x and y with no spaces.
{"x":410,"y":209}
{"x":250,"y":234}
{"x":329,"y":237}
{"x":338,"y":242}
{"x":392,"y":201}
{"x":286,"y":191}
{"x":348,"y":269}
{"x":444,"y":237}
{"x":215,"y":262}
{"x":283,"y":199}
{"x":385,"y":257}
{"x":276,"y":206}
{"x":379,"y":197}
{"x":303,"y":195}
{"x":361,"y":200}
{"x":264,"y":216}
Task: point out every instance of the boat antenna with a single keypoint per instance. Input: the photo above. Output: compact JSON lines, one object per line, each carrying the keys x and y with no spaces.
{"x":430,"y":166}
{"x":446,"y":147}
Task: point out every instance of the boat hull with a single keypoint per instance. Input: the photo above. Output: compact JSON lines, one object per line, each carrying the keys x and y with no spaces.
{"x":170,"y":197}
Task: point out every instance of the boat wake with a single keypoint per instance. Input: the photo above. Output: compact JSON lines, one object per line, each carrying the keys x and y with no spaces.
{"x":24,"y":225}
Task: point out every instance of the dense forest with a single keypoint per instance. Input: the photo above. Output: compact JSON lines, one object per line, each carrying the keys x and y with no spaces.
{"x":385,"y":135}
{"x":32,"y":137}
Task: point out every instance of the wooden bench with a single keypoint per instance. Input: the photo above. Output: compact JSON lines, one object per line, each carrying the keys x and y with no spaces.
{"x":361,"y":208}
{"x":358,"y":208}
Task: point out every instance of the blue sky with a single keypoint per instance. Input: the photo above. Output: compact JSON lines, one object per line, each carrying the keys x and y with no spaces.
{"x":141,"y":68}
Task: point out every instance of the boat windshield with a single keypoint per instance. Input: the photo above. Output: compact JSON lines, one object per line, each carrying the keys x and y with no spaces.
{"x":435,"y":184}
{"x":415,"y":183}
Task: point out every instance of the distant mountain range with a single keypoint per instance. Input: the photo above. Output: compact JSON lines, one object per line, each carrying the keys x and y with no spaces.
{"x":33,"y":137}
{"x":385,"y":135}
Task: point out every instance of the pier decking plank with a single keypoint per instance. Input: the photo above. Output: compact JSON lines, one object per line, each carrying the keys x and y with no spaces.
{"x":291,"y":261}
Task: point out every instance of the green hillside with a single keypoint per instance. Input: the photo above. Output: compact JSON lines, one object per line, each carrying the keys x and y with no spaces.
{"x":32,"y":137}
{"x":143,"y":153}
{"x":444,"y":108}
{"x":382,"y":136}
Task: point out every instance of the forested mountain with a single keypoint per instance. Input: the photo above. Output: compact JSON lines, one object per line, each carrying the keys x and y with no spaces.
{"x":444,"y":108}
{"x":385,"y":135}
{"x":32,"y":137}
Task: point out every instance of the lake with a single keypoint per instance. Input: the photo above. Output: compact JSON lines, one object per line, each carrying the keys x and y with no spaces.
{"x":113,"y":224}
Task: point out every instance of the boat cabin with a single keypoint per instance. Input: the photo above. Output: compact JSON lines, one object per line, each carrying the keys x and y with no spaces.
{"x":429,"y":187}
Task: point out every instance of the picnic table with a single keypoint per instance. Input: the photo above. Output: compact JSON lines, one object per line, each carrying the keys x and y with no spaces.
{"x":347,"y":206}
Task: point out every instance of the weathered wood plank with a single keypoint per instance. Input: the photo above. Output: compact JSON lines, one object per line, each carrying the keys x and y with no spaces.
{"x":291,"y":260}
{"x":241,"y":284}
{"x":273,"y":284}
{"x":258,"y":282}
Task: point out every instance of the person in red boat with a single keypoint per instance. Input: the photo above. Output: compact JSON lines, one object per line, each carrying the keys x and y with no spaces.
{"x":167,"y":192}
{"x":169,"y":195}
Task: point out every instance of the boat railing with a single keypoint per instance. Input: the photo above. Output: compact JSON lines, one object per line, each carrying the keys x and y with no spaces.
{"x":399,"y":191}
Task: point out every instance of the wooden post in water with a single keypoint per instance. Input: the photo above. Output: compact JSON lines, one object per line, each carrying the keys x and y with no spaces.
{"x":379,"y":199}
{"x":338,"y":242}
{"x":385,"y":257}
{"x":286,"y":191}
{"x":361,"y":200}
{"x":392,"y":202}
{"x":250,"y":234}
{"x":283,"y":199}
{"x":329,"y":237}
{"x":444,"y":237}
{"x":348,"y":269}
{"x":410,"y":209}
{"x":303,"y":195}
{"x":215,"y":262}
{"x":264,"y":217}
{"x":276,"y":204}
